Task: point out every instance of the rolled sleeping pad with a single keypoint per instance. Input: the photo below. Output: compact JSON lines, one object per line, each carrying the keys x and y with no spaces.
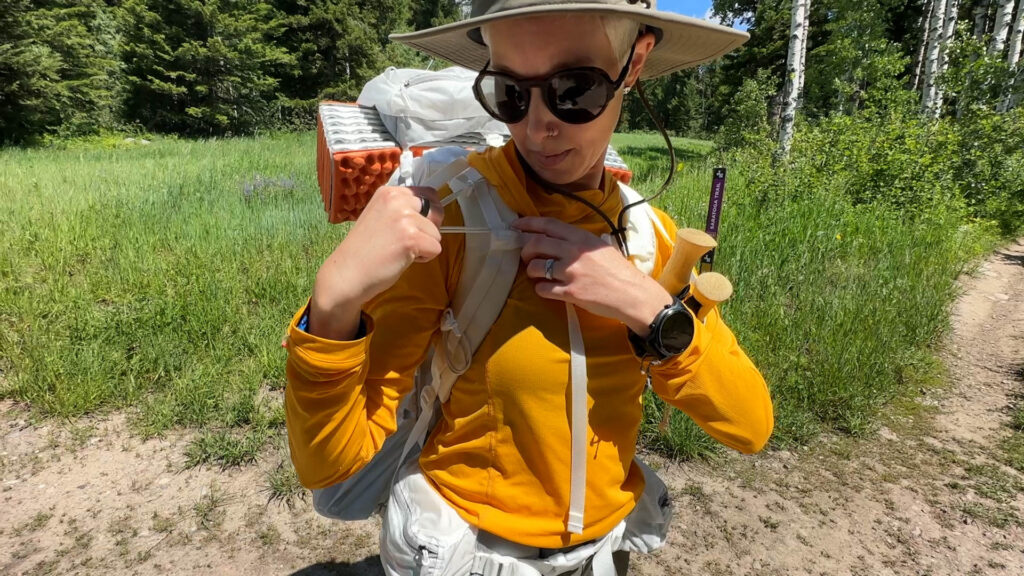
{"x":356,"y":155}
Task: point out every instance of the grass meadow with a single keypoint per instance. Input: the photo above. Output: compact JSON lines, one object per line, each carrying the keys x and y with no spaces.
{"x":158,"y":279}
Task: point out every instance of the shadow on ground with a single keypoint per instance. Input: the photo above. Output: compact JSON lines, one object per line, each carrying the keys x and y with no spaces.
{"x":369,"y":566}
{"x":1010,"y":257}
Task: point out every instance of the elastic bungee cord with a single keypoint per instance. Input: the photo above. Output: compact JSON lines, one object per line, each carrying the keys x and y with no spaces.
{"x":618,"y":232}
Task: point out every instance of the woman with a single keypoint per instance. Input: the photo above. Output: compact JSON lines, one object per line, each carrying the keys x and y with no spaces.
{"x":495,"y":469}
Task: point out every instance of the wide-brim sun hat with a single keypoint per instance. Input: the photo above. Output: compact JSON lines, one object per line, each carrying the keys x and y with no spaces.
{"x":681,"y":41}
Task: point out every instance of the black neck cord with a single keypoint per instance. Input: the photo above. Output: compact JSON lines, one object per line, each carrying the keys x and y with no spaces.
{"x":671,"y":155}
{"x":616,"y":233}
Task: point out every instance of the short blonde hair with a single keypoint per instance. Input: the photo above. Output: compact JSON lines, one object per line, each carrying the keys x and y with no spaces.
{"x":621,"y":33}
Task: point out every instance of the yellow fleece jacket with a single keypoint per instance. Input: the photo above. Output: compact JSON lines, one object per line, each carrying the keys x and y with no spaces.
{"x":500,"y":454}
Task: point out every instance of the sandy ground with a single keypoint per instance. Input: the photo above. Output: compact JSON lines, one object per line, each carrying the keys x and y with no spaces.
{"x":926,"y":495}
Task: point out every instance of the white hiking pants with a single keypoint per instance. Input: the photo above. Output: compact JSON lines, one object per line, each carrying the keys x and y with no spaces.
{"x":424,"y":536}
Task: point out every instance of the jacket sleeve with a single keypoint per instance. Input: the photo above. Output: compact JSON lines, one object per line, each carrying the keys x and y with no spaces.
{"x":715,"y":382}
{"x":342,"y":398}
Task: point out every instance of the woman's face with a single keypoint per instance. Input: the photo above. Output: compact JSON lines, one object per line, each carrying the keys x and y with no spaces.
{"x":569,"y":155}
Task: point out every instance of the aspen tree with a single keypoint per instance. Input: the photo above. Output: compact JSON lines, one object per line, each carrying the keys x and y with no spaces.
{"x":803,"y":57}
{"x":794,"y":64}
{"x":1002,"y":27}
{"x":949,"y":30}
{"x":1013,"y":56}
{"x":981,"y":20}
{"x":926,"y":23}
{"x":931,"y":66}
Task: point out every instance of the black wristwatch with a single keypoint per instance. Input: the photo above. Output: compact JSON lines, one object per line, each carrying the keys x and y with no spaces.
{"x":670,"y":334}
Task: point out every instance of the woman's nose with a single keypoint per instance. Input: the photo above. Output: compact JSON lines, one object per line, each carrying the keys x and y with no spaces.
{"x":540,"y":121}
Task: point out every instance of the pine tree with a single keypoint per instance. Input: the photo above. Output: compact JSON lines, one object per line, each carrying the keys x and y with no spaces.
{"x":58,"y":71}
{"x":201,"y":67}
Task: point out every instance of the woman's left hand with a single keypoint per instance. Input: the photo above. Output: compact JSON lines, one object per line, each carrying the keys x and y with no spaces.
{"x":589,"y":273}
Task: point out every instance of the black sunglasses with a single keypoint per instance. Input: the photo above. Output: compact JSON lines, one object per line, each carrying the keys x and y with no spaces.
{"x":574,"y":95}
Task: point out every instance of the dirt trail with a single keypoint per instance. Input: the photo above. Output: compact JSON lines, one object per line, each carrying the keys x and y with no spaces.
{"x":927,"y":495}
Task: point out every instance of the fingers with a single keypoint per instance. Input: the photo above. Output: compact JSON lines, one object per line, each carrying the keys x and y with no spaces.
{"x":422,"y":237}
{"x":538,"y":269}
{"x":427,"y":251}
{"x":436,"y":214}
{"x":541,"y":246}
{"x":549,"y":227}
{"x":553,"y":291}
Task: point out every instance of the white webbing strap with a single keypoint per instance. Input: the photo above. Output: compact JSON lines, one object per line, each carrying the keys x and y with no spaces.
{"x":447,"y":174}
{"x":423,"y":421}
{"x":405,"y":166}
{"x":578,"y":379}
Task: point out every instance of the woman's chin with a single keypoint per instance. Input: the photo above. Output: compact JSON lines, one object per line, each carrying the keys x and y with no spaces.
{"x":562,"y":173}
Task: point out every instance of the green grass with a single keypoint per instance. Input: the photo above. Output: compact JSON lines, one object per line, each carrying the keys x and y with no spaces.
{"x":159,"y":278}
{"x":842,"y":307}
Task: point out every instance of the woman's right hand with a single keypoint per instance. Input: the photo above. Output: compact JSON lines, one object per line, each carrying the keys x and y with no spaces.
{"x":386,"y":239}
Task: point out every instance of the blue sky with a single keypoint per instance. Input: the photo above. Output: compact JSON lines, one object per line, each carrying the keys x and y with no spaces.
{"x":696,"y":8}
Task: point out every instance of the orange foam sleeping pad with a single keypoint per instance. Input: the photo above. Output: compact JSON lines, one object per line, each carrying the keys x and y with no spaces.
{"x":348,"y":178}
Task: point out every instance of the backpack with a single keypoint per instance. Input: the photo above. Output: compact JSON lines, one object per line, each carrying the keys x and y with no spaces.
{"x":489,"y":269}
{"x":425,"y":108}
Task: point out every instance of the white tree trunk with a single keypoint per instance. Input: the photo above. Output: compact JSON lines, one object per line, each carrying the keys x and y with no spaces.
{"x":1002,"y":27}
{"x":949,"y":30}
{"x":926,"y":23}
{"x":1013,"y":56}
{"x":1013,"y":59}
{"x":803,"y":57}
{"x":981,"y":20}
{"x":793,"y":65}
{"x":931,"y":63}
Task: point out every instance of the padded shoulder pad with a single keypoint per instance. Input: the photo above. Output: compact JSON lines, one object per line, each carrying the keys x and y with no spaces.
{"x":434,"y":160}
{"x":642,"y":231}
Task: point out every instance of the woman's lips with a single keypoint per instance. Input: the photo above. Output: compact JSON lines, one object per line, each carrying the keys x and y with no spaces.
{"x":552,"y":160}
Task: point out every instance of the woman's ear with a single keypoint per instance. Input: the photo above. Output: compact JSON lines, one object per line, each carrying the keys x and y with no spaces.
{"x":644,"y":45}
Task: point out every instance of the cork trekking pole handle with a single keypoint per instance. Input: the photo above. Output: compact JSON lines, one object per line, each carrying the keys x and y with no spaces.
{"x":691,"y":245}
{"x":706,"y":292}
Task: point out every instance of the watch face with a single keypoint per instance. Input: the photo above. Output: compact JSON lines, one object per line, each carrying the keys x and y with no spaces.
{"x":676,"y":332}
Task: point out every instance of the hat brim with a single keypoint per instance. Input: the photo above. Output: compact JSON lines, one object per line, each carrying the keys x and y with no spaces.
{"x":683,"y":42}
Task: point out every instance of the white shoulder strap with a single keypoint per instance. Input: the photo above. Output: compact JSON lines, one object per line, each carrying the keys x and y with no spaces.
{"x":489,"y":268}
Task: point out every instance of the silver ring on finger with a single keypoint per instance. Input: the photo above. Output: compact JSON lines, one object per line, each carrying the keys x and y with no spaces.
{"x":549,"y":269}
{"x":424,"y":206}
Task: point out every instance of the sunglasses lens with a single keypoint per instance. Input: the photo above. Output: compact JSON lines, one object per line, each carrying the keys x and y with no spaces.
{"x":579,"y":96}
{"x":501,"y":98}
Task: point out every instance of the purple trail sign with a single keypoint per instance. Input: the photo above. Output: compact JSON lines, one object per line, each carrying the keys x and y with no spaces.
{"x":714,"y":215}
